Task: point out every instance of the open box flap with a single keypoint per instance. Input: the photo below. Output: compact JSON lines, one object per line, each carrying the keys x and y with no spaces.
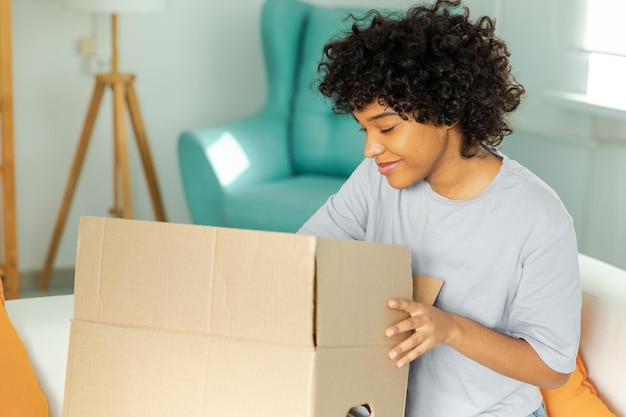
{"x":426,"y":289}
{"x":354,"y":281}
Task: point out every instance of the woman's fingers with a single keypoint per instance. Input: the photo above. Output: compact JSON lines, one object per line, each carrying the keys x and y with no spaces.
{"x":418,"y":323}
{"x":408,"y":350}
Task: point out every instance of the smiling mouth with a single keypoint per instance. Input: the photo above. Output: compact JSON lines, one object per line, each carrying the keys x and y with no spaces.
{"x":386,"y":167}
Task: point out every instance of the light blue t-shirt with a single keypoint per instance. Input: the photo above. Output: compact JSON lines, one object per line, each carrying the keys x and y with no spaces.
{"x":509,"y":260}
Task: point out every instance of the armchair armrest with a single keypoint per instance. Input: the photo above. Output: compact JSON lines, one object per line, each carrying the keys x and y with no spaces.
{"x":226,"y":157}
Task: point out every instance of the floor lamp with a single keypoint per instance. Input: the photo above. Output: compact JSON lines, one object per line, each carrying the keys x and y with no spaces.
{"x":124,"y":97}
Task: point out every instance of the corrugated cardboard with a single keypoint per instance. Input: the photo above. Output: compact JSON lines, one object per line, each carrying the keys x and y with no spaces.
{"x":182,"y":320}
{"x":426,"y":289}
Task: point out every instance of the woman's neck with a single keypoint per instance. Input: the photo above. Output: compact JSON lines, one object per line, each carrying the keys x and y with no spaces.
{"x":465,"y":178}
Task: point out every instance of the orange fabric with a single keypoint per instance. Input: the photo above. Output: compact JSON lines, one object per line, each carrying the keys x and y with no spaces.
{"x":578,"y":397}
{"x":20,"y":395}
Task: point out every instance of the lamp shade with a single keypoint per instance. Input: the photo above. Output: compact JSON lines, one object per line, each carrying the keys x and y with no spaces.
{"x":115,"y":6}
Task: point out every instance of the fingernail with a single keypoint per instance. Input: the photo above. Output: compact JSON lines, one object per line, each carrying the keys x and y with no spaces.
{"x":401,"y":364}
{"x":392,"y":303}
{"x":390,"y":332}
{"x":393,"y":354}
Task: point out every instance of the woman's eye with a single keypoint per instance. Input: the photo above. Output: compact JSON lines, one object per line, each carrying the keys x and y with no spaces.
{"x":383,"y":131}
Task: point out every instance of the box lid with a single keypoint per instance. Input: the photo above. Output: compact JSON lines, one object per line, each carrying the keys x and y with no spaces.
{"x":265,"y":286}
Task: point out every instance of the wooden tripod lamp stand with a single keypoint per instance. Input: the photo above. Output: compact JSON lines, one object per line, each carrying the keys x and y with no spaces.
{"x":124,"y":96}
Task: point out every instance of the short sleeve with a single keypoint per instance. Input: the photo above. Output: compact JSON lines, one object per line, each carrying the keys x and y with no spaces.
{"x":345,"y":214}
{"x":547,"y":307}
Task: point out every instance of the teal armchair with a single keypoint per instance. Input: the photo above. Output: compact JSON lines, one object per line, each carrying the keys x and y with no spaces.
{"x":274,"y":169}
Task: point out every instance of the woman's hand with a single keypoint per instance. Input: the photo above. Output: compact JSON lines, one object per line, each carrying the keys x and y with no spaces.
{"x":430,"y":327}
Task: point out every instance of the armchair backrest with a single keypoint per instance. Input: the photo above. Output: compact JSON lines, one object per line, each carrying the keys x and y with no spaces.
{"x":281,"y":31}
{"x":294,"y":34}
{"x":322,"y":142}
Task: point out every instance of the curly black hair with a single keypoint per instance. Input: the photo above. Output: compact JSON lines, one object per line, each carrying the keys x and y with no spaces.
{"x":432,"y":64}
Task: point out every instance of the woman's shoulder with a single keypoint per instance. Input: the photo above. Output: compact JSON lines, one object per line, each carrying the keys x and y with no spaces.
{"x":524,"y":188}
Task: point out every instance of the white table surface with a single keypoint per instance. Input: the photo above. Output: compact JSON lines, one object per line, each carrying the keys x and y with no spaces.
{"x":43,"y":324}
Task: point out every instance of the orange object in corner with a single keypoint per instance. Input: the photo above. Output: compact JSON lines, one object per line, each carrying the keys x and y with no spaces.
{"x":578,"y":397}
{"x":20,"y":395}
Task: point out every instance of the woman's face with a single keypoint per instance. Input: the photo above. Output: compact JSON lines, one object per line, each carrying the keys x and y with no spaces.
{"x":405,"y":151}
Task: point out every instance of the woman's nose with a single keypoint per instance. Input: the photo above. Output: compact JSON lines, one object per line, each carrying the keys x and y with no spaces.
{"x":372,"y":147}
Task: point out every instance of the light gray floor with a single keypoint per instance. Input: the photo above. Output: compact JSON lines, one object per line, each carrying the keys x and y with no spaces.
{"x":61,"y":282}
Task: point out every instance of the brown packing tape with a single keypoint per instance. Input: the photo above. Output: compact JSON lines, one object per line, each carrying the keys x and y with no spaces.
{"x":426,"y":289}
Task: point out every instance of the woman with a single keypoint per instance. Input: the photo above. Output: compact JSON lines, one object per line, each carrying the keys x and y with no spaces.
{"x":431,"y":90}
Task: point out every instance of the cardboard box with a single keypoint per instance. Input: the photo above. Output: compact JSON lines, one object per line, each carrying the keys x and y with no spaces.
{"x":182,"y":320}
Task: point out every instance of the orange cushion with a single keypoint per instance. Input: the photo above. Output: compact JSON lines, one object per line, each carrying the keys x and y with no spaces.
{"x":578,"y":397}
{"x":20,"y":395}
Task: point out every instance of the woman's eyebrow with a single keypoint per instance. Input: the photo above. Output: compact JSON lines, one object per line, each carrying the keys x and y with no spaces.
{"x":381,"y":115}
{"x":378,"y":116}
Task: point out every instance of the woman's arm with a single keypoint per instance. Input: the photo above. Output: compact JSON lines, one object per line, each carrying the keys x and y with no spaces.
{"x":506,"y":355}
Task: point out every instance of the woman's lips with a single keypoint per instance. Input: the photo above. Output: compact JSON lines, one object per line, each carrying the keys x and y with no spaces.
{"x":386,"y":167}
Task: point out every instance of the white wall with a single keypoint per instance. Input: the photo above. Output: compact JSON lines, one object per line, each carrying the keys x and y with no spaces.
{"x":200,"y":63}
